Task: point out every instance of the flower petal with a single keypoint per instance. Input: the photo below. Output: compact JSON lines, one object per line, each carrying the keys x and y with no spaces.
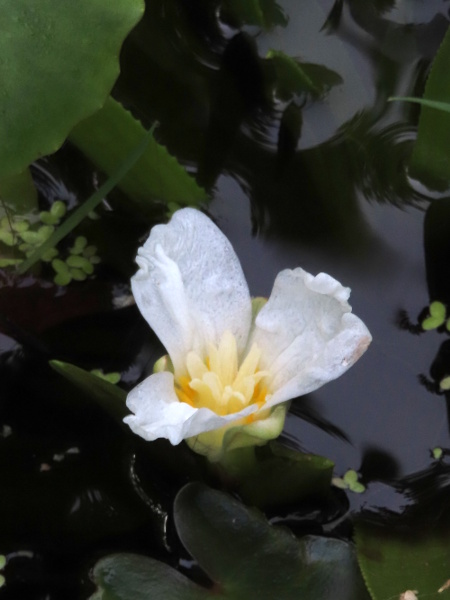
{"x":307,"y":334}
{"x":190,"y":286}
{"x":158,"y":413}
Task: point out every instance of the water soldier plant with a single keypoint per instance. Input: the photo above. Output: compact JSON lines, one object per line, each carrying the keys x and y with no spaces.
{"x":231,"y":371}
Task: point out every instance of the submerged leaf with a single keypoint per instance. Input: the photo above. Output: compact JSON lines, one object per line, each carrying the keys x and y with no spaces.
{"x":59,"y":61}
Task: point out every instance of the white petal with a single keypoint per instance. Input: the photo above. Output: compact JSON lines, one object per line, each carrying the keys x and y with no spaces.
{"x":307,"y":334}
{"x":190,"y":286}
{"x":159,"y":414}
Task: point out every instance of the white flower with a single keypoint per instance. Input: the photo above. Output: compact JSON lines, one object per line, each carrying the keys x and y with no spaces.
{"x":231,"y":373}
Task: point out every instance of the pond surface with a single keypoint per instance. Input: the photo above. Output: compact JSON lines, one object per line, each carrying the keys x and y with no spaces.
{"x":320,"y":183}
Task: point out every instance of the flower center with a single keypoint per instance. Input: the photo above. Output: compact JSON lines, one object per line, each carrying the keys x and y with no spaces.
{"x":219,"y":383}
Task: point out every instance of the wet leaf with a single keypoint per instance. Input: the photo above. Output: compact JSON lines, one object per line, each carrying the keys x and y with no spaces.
{"x":430,"y":160}
{"x":247,"y":558}
{"x":393,"y":562}
{"x":111,"y":134}
{"x":59,"y":61}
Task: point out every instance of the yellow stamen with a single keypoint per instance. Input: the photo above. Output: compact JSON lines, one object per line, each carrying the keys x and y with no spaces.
{"x":218,"y":381}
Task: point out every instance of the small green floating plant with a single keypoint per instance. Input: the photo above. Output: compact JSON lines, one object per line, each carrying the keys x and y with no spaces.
{"x":24,"y":235}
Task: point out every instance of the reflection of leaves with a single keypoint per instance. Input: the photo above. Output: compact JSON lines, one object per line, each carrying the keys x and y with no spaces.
{"x":59,"y":62}
{"x":263,"y":13}
{"x":430,"y":160}
{"x":246,"y":558}
{"x":392,"y":562}
{"x":296,"y":78}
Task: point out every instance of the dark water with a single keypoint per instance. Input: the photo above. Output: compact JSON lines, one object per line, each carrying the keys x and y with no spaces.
{"x":321,"y":184}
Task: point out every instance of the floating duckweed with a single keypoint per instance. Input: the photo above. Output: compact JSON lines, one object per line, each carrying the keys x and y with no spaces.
{"x":47,"y":218}
{"x":20,"y":226}
{"x":111,"y":377}
{"x":93,"y":216}
{"x":45,"y":231}
{"x":437,"y":453}
{"x":349,"y":481}
{"x":62,"y":278}
{"x":74,"y":260}
{"x":444,"y":384}
{"x":436,"y":318}
{"x":2,"y":561}
{"x":60,"y":266}
{"x":81,"y":260}
{"x":58,"y":209}
{"x":90,"y":251}
{"x":7,"y":237}
{"x":77,"y":274}
{"x":31,"y":237}
{"x":2,"y":581}
{"x":78,"y":245}
{"x":49,"y":255}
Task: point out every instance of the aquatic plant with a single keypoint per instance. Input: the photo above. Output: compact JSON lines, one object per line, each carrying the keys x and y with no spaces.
{"x":229,"y":374}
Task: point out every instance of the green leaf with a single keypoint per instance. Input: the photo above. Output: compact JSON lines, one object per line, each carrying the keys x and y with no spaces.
{"x":430,"y":160}
{"x":110,"y":134}
{"x":105,"y":394}
{"x":133,"y":577}
{"x":246,"y":557}
{"x":59,"y":61}
{"x":284,"y":476}
{"x":393,"y":562}
{"x":250,"y":559}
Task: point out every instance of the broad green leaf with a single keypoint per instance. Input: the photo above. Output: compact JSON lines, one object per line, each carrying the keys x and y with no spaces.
{"x":430,"y":160}
{"x":245,"y":556}
{"x":286,"y":476}
{"x":110,"y":134}
{"x":133,"y":577}
{"x":59,"y":61}
{"x":393,"y":562}
{"x":252,"y":560}
{"x":106,"y":394}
